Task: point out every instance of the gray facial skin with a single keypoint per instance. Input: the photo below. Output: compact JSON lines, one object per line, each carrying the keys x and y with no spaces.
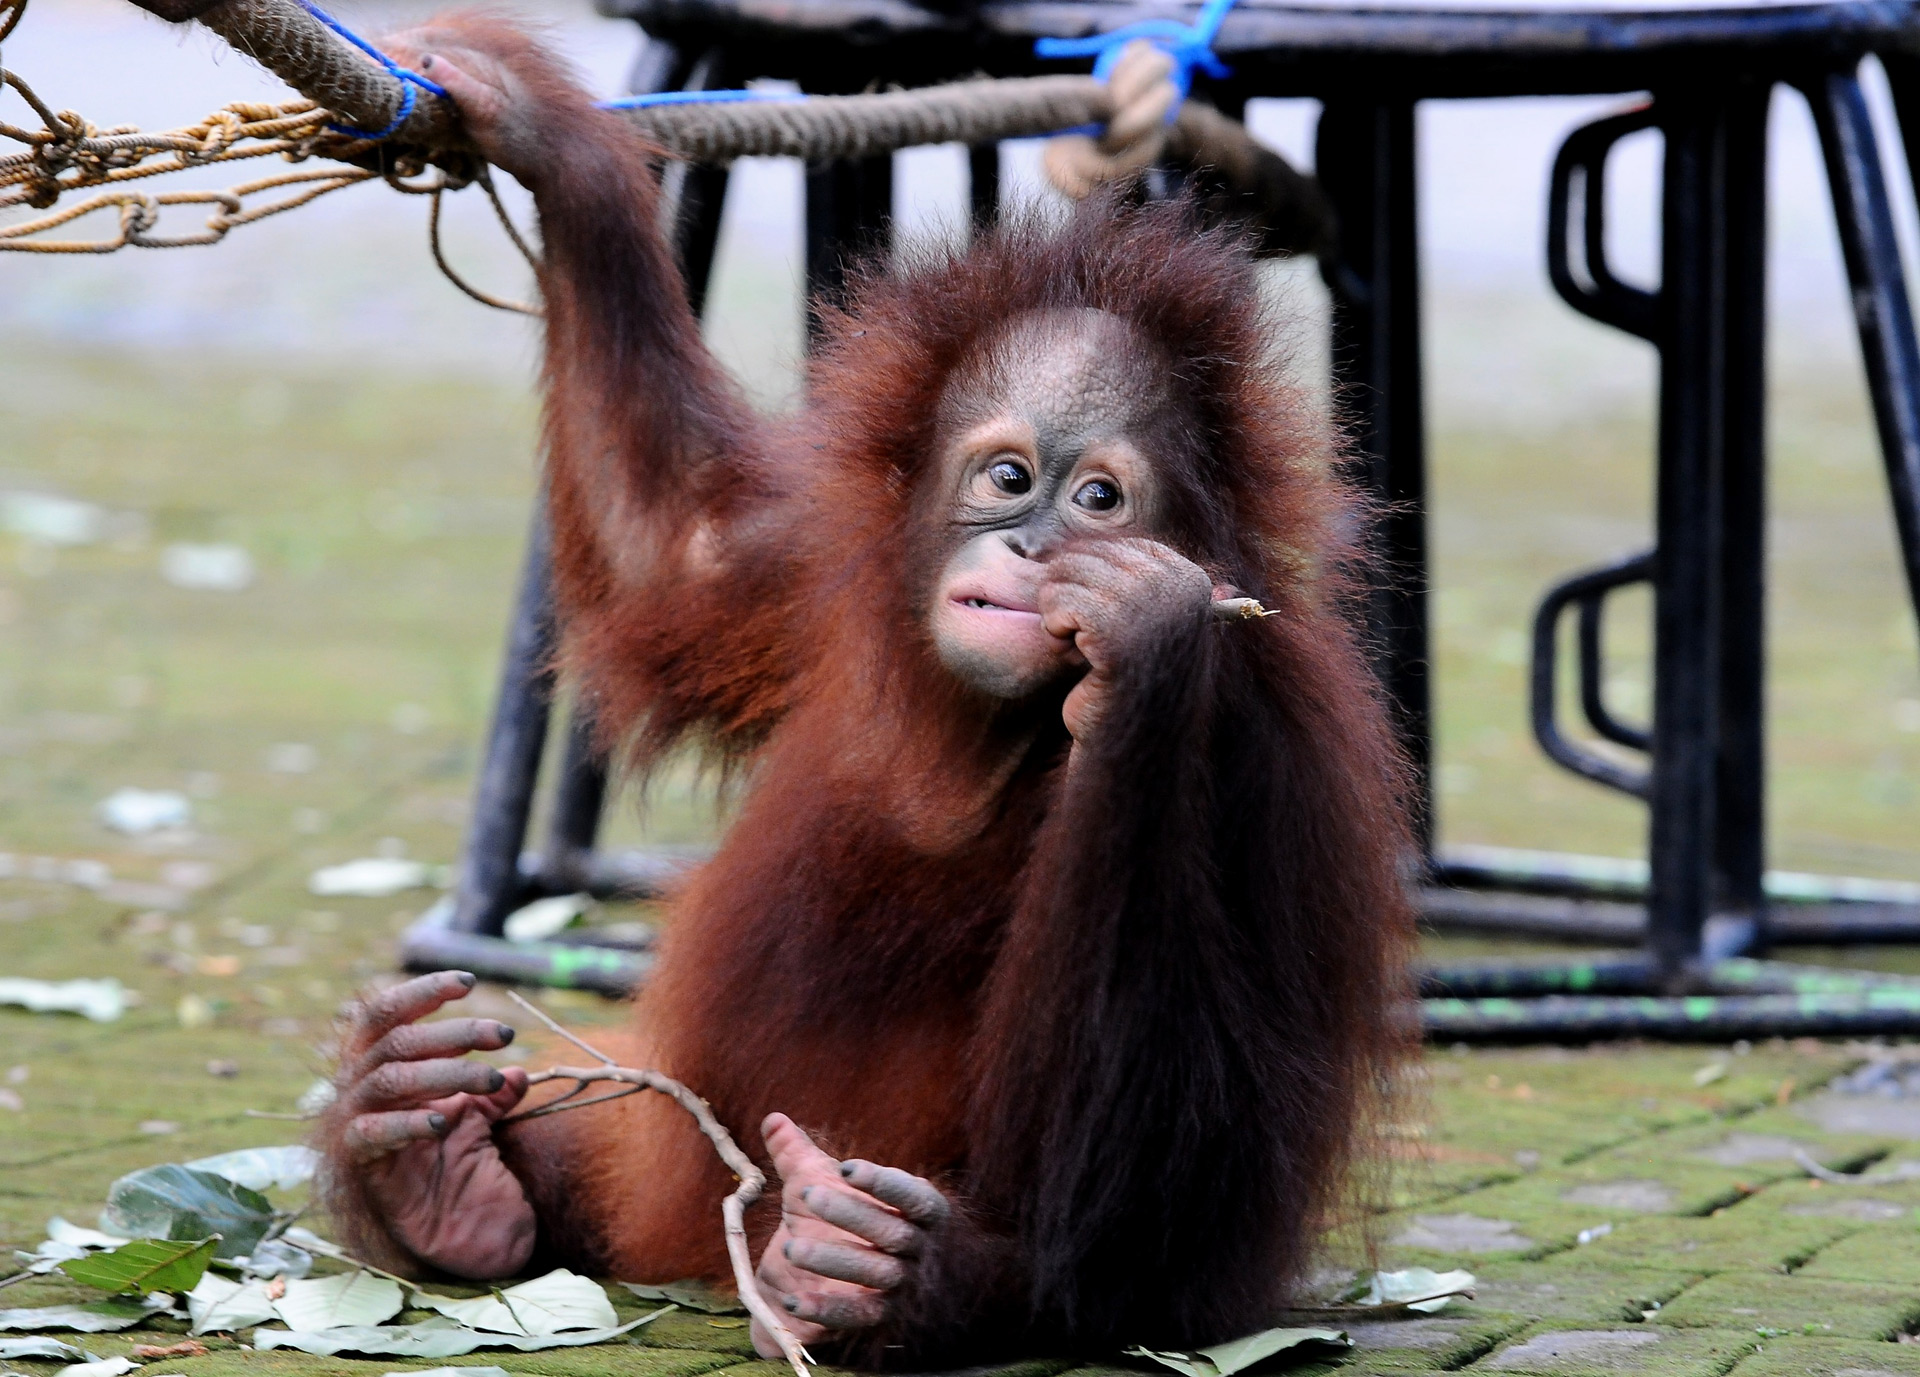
{"x":1050,"y":437}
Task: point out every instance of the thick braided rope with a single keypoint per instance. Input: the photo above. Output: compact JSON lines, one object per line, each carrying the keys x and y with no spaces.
{"x":283,"y":37}
{"x":287,"y":40}
{"x":823,"y":128}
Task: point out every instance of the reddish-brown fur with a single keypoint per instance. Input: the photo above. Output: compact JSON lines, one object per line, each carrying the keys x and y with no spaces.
{"x":1135,"y":1019}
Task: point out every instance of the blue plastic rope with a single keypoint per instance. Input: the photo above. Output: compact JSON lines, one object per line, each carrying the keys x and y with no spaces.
{"x":1190,"y":46}
{"x":408,"y":78}
{"x":695,"y":98}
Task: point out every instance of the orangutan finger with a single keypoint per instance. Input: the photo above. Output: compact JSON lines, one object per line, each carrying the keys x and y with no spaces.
{"x":405,"y":1084}
{"x":450,"y":1037}
{"x":843,"y":1262}
{"x":914,"y":1196}
{"x":413,"y":999}
{"x":841,"y":1310}
{"x":887,"y":1232}
{"x":375,"y":1135}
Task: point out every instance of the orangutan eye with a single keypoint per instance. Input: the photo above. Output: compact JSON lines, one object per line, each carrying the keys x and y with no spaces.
{"x":1097,"y":495}
{"x":1010,"y":478}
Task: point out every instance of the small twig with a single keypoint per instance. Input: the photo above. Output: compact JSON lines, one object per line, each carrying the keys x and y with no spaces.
{"x":733,"y":1210}
{"x":1841,"y":1178}
{"x":1384,"y":1308}
{"x":25,"y":1274}
{"x":270,"y":1114}
{"x":567,"y":1101}
{"x":584,"y":1046}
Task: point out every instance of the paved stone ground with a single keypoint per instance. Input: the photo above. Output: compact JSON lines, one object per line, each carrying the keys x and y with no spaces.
{"x":385,"y":517}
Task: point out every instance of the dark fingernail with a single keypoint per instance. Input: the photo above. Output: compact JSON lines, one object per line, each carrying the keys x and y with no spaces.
{"x":846,"y":1170}
{"x":786,"y":1250}
{"x":467,"y":979}
{"x":791,"y":1304}
{"x":437,"y":1122}
{"x":495,"y":1080}
{"x":426,"y":62}
{"x":806,"y":1196}
{"x":506,"y":1033}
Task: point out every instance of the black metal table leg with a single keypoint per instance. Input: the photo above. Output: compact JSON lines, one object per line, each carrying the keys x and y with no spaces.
{"x":1365,"y":156}
{"x":489,"y":886}
{"x":1689,"y":573}
{"x":1880,"y":305}
{"x":1738,"y":925}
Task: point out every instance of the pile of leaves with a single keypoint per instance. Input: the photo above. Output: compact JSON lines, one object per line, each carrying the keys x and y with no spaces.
{"x":200,"y":1241}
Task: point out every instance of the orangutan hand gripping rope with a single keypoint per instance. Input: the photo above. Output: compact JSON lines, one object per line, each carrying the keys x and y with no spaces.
{"x":1058,"y":950}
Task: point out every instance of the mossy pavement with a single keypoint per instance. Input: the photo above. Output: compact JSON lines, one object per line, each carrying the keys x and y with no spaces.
{"x":386,"y":518}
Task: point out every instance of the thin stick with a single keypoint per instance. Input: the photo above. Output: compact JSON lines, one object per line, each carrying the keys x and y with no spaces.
{"x":584,"y":1046}
{"x":733,"y":1210}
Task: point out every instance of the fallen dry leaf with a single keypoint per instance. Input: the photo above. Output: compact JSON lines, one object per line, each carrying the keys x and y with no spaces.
{"x":186,"y":1348}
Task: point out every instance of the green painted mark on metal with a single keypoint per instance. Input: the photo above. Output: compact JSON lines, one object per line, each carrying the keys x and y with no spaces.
{"x":565,"y":963}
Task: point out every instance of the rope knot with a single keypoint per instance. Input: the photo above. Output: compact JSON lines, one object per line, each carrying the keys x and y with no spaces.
{"x":1189,"y":45}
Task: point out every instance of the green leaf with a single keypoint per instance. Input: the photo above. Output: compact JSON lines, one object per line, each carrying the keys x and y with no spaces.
{"x":435,"y":1338}
{"x":703,"y":1296}
{"x":218,"y":1304}
{"x":179,"y":1202}
{"x":546,"y":1305}
{"x":343,"y":1300}
{"x":1240,"y":1355}
{"x":146,"y":1264}
{"x":102,"y":1317}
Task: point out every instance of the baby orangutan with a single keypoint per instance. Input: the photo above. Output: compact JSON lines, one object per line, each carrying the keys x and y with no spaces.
{"x":1057,"y":951}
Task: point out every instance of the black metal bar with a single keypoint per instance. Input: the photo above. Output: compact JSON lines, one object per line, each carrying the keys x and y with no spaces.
{"x":1612,"y":923}
{"x":1593,"y":660}
{"x":489,"y":886}
{"x":432,"y":943}
{"x":1366,"y":161}
{"x":1740,"y":822}
{"x":1603,"y":296}
{"x":1881,"y":309}
{"x":1682,"y":785}
{"x":983,"y":183}
{"x":578,"y":800}
{"x":849,"y":205}
{"x":1588,"y":592}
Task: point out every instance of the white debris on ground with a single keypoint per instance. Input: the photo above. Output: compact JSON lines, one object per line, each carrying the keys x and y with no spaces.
{"x":137,"y":812}
{"x":375,"y":877}
{"x":543,"y":918}
{"x":211,"y":568}
{"x":100,"y":1000}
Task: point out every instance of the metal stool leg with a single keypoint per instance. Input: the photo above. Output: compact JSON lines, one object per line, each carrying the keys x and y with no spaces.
{"x":1365,"y":157}
{"x":1739,"y":921}
{"x":489,"y":885}
{"x":1881,"y":309}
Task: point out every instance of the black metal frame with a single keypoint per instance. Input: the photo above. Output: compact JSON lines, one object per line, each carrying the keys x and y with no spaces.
{"x":1711,"y":73}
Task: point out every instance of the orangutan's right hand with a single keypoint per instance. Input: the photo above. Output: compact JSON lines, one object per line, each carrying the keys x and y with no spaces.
{"x":418,"y":1129}
{"x":518,"y":103}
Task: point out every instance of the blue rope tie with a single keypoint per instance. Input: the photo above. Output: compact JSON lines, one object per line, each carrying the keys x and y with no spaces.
{"x":695,"y":98}
{"x":1190,"y":46}
{"x":407,"y":78}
